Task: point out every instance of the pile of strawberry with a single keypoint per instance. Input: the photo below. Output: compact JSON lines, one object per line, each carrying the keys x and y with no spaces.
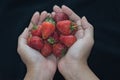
{"x":53,"y":36}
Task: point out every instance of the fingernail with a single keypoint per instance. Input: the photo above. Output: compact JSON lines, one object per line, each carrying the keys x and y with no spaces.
{"x":44,"y":12}
{"x":63,"y":5}
{"x":56,"y":6}
{"x":49,"y":15}
{"x":37,"y":12}
{"x":84,"y":19}
{"x":52,"y":12}
{"x":84,"y":22}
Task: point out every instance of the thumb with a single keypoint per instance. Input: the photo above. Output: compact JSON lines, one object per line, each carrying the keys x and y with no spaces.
{"x":88,"y":28}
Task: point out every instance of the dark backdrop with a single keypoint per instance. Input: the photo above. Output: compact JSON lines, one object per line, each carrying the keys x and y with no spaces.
{"x":104,"y":15}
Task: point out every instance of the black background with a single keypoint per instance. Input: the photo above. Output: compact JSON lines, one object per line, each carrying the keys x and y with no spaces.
{"x":104,"y":15}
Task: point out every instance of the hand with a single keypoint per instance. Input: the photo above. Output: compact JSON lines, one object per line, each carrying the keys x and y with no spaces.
{"x":38,"y":67}
{"x":73,"y":66}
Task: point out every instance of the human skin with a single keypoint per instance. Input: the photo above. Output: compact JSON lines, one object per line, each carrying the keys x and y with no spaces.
{"x":38,"y":67}
{"x":73,"y":66}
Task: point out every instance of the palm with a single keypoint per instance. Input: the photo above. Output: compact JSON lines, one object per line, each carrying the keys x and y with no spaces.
{"x":80,"y":50}
{"x":32,"y":57}
{"x":84,"y":39}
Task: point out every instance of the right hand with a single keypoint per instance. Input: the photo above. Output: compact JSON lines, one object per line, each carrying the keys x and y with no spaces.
{"x":73,"y":66}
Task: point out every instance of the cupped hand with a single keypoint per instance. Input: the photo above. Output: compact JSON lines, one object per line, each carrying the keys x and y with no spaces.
{"x":81,"y":48}
{"x":38,"y":67}
{"x":73,"y":66}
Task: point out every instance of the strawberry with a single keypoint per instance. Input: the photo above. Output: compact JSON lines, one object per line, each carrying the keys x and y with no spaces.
{"x":60,"y":16}
{"x":48,"y":27}
{"x":35,"y":42}
{"x":46,"y":50}
{"x":68,"y":40}
{"x":66,"y":27}
{"x":59,"y":49}
{"x":54,"y":38}
{"x":36,"y":30}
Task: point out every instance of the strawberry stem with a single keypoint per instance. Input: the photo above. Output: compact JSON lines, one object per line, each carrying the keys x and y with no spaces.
{"x":51,"y":20}
{"x":34,"y":26}
{"x":72,"y":28}
{"x":64,"y":52}
{"x":51,"y":40}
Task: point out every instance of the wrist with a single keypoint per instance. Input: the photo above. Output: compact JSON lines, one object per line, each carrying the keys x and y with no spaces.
{"x":80,"y":71}
{"x":83,"y":73}
{"x":77,"y":72}
{"x":36,"y":73}
{"x":71,"y":68}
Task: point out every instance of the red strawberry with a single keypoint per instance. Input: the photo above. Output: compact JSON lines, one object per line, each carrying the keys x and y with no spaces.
{"x":68,"y":40}
{"x":46,"y":50}
{"x":60,"y":16}
{"x":48,"y":27}
{"x":59,"y":49}
{"x":54,"y":38}
{"x":66,"y":27}
{"x":35,"y":42}
{"x":36,"y":30}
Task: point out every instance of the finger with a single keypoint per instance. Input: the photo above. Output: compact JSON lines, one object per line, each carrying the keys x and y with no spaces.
{"x":89,"y":32}
{"x":42,"y":17}
{"x":57,"y":9}
{"x":80,"y":33}
{"x":23,"y":36}
{"x":34,"y":20}
{"x":48,"y":14}
{"x":78,"y":22}
{"x":52,"y":14}
{"x":70,"y":13}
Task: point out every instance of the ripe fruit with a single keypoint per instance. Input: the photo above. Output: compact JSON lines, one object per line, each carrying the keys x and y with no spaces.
{"x":68,"y":40}
{"x":46,"y":50}
{"x":59,"y":49}
{"x":60,"y":16}
{"x":36,"y":30}
{"x":35,"y":42}
{"x":52,"y":37}
{"x":66,"y":27}
{"x":48,"y":27}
